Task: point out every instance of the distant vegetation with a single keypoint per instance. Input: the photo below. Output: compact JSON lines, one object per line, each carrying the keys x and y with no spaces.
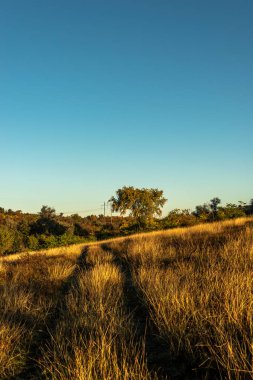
{"x":24,"y":231}
{"x":174,"y":304}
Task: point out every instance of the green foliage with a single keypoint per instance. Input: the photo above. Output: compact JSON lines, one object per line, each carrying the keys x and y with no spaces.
{"x":211,"y":211}
{"x":202,"y":212}
{"x":230,"y":211}
{"x":19,"y":232}
{"x":214,"y":207}
{"x":79,"y":230}
{"x":179,"y":218}
{"x":250,"y":210}
{"x":48,"y":226}
{"x":47,"y":212}
{"x":6,"y":240}
{"x":18,"y":242}
{"x":67,"y":239}
{"x":143,"y":204}
{"x":33,"y":242}
{"x":214,"y":204}
{"x":47,"y":241}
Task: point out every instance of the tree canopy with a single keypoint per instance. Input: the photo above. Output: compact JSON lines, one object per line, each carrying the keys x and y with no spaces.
{"x":142,"y":204}
{"x":47,"y":212}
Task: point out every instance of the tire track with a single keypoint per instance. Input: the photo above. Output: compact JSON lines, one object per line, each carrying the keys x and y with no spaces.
{"x":146,"y":331}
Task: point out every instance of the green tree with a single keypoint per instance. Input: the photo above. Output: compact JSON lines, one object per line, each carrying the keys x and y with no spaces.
{"x":230,"y":211}
{"x":251,"y":206}
{"x":202,"y":212}
{"x":214,"y":206}
{"x":142,"y":204}
{"x":47,"y":223}
{"x":47,"y":212}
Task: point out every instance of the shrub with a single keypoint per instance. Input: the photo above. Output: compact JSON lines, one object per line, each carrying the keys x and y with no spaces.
{"x":179,"y":218}
{"x":6,"y":240}
{"x":33,"y":242}
{"x":231,"y":211}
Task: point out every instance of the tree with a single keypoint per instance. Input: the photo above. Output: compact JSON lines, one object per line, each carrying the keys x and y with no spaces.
{"x":143,"y":204}
{"x":230,"y":211}
{"x":47,"y":212}
{"x":251,"y":207}
{"x":48,"y":223}
{"x":202,"y":211}
{"x":214,"y":205}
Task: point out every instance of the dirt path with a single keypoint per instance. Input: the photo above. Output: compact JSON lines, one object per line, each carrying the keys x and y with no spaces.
{"x":155,"y":346}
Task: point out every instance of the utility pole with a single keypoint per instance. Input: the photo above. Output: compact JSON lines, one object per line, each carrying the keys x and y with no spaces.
{"x":110,"y":209}
{"x":104,"y":209}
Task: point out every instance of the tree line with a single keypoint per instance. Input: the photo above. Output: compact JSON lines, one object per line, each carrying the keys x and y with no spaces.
{"x":137,"y":209}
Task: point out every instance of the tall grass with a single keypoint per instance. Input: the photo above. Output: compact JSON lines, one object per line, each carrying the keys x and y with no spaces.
{"x":28,"y":291}
{"x":198,"y":289}
{"x":174,"y":304}
{"x":95,"y":336}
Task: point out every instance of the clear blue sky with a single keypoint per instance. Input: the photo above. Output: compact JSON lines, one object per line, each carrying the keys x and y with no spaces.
{"x":95,"y":95}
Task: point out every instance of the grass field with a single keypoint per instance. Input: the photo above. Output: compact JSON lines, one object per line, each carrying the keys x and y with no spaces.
{"x":174,"y":304}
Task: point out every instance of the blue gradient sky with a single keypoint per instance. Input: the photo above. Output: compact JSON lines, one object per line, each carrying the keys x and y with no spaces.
{"x":95,"y":95}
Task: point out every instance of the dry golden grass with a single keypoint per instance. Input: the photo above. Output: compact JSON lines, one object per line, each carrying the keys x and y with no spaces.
{"x":100,"y":334}
{"x":198,"y":287}
{"x":174,"y":304}
{"x":72,"y":250}
{"x":12,"y":355}
{"x":28,"y":292}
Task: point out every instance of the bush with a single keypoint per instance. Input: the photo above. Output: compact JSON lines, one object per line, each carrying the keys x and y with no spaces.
{"x":179,"y":218}
{"x":66,"y":239}
{"x":18,"y":242}
{"x":33,"y":242}
{"x":230,"y":211}
{"x":6,"y":240}
{"x":45,"y":241}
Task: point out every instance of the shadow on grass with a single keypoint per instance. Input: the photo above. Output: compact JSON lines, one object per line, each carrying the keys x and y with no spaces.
{"x":45,"y":331}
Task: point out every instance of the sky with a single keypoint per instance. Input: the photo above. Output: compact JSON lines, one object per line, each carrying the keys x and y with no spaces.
{"x":96,"y":95}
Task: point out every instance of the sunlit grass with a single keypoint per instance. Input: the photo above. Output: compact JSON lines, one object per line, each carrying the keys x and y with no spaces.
{"x":28,"y":293}
{"x":198,"y":289}
{"x":195,"y":283}
{"x":100,"y":333}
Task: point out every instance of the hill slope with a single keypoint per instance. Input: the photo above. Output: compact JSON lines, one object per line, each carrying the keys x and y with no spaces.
{"x":171,"y":304}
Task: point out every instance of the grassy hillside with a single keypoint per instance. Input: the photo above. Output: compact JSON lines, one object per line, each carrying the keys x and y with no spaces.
{"x":174,"y":304}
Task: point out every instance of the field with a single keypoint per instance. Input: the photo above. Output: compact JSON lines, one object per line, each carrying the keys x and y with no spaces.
{"x":174,"y":304}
